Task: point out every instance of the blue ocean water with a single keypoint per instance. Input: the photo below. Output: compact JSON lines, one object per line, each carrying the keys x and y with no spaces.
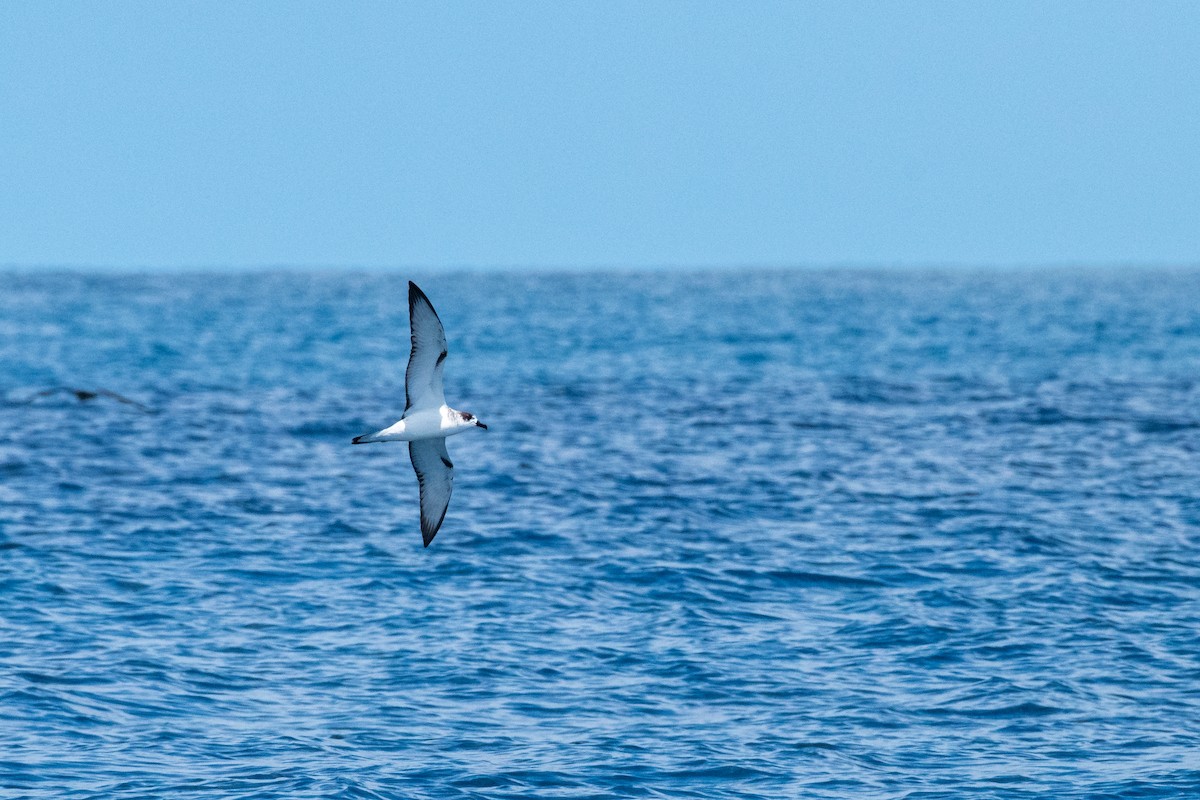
{"x":769,"y":534}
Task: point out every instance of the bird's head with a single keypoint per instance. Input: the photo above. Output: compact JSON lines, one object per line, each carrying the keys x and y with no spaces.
{"x":469,"y":419}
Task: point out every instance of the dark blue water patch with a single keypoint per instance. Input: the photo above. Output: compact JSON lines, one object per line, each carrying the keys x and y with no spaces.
{"x":828,"y":535}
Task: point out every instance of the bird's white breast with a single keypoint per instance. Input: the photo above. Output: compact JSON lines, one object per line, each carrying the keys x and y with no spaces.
{"x":431,"y":423}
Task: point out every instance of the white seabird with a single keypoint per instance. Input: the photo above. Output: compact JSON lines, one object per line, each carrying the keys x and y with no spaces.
{"x":427,"y":420}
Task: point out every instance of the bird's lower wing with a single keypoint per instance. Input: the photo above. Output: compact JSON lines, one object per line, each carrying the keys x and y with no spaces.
{"x":435,"y":474}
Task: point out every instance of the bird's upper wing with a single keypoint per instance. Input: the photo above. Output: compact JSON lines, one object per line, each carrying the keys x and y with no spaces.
{"x":423,"y":380}
{"x":435,"y":473}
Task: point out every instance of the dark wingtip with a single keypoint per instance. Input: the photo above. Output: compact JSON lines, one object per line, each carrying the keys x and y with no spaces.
{"x":415,"y":293}
{"x":416,"y":297}
{"x":358,"y":440}
{"x":429,"y":531}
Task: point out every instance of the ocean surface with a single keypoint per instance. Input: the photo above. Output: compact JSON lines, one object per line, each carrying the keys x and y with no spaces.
{"x":761,"y":535}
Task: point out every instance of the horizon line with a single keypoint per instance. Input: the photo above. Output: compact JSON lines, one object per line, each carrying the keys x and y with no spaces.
{"x":593,"y":268}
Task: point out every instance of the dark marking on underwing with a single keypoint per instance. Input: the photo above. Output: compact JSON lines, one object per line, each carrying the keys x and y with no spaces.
{"x":447,"y":462}
{"x":441,"y":358}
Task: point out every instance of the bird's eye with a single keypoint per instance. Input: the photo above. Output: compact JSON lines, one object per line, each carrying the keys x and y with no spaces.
{"x":467,"y":416}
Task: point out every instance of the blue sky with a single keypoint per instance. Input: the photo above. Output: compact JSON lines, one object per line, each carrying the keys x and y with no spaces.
{"x":599,"y":134}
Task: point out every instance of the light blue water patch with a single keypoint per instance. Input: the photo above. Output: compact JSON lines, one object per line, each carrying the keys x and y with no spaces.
{"x":831,"y":535}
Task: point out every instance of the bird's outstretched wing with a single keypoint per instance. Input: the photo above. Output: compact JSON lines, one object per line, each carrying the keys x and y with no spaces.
{"x":83,"y":395}
{"x":435,"y":473}
{"x":423,"y":380}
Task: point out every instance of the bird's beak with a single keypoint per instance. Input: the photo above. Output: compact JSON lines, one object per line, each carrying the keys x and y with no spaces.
{"x":480,"y":424}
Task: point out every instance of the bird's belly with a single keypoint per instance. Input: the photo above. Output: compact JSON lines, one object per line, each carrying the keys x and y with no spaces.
{"x":423,"y":425}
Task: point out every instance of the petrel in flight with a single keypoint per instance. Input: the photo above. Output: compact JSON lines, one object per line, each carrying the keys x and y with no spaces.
{"x":427,"y":420}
